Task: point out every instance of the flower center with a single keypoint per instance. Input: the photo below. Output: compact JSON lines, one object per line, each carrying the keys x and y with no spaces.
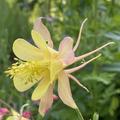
{"x":29,"y":71}
{"x":32,"y":71}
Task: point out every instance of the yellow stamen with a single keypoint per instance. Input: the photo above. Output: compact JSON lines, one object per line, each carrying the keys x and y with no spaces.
{"x":30,"y":70}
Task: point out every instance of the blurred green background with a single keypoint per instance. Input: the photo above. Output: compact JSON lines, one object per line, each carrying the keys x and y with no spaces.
{"x":64,"y":17}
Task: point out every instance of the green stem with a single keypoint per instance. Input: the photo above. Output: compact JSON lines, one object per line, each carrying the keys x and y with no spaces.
{"x":79,"y":114}
{"x":3,"y":102}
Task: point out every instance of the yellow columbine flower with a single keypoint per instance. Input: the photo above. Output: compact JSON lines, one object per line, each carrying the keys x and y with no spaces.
{"x":44,"y":65}
{"x":16,"y":116}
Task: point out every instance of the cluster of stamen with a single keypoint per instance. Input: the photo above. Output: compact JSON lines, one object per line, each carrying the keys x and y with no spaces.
{"x":31,"y":70}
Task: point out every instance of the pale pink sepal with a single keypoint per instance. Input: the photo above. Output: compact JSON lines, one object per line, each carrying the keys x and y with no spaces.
{"x":66,"y":50}
{"x":44,"y":32}
{"x":64,"y":90}
{"x":46,"y":101}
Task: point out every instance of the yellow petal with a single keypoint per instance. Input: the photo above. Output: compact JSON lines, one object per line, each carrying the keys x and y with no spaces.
{"x":25,"y":51}
{"x":21,"y":84}
{"x":66,"y":50}
{"x":46,"y":101}
{"x":64,"y":90}
{"x":37,"y":38}
{"x":41,"y":88}
{"x":27,"y":74}
{"x":43,"y":31}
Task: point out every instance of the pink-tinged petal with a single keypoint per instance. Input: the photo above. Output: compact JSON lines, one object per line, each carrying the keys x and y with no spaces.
{"x":64,"y":90}
{"x":79,"y":36}
{"x":42,"y":29}
{"x":46,"y":101}
{"x":71,"y":70}
{"x":77,"y":81}
{"x":66,"y":50}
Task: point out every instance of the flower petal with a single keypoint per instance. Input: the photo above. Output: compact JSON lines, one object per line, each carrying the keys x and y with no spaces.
{"x":25,"y":51}
{"x":20,"y":83}
{"x":64,"y":90}
{"x":40,"y":43}
{"x":46,"y":101}
{"x":66,"y":50}
{"x":41,"y":89}
{"x":42,"y":29}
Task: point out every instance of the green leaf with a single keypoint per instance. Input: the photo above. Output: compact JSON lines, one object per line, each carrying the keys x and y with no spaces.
{"x":115,"y":67}
{"x":112,"y":36}
{"x":104,"y":78}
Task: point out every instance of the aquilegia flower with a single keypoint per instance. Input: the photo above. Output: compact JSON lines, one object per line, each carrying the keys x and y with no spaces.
{"x":23,"y":115}
{"x":16,"y":116}
{"x":43,"y":65}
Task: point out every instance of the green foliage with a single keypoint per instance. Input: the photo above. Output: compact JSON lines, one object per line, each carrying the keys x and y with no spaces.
{"x":64,"y":17}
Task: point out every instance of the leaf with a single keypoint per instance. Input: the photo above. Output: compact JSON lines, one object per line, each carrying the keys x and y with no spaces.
{"x":113,"y":36}
{"x":104,"y":78}
{"x":115,"y":67}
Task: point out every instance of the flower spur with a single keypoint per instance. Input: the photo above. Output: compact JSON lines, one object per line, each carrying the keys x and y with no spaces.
{"x":44,"y":65}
